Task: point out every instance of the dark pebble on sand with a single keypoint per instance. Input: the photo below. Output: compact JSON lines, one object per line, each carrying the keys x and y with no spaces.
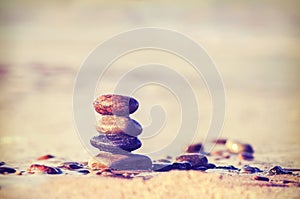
{"x":260,"y":178}
{"x":277,"y":170}
{"x":6,"y":170}
{"x":83,"y":171}
{"x":210,"y":166}
{"x":72,"y":165}
{"x":2,"y":163}
{"x":194,"y":148}
{"x":249,"y":169}
{"x":230,"y":167}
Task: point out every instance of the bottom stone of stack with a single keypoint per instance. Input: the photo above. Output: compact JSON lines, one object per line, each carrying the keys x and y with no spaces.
{"x":120,"y":161}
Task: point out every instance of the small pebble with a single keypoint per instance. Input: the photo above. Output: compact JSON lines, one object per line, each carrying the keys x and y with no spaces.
{"x":277,"y":170}
{"x":6,"y":170}
{"x":260,"y":178}
{"x":230,"y":167}
{"x":220,"y":141}
{"x":195,"y":159}
{"x":71,"y":165}
{"x":194,"y":148}
{"x":2,"y":163}
{"x":45,"y":157}
{"x":250,"y":169}
{"x":84,"y":171}
{"x":238,"y":147}
{"x":210,"y":166}
{"x":36,"y":168}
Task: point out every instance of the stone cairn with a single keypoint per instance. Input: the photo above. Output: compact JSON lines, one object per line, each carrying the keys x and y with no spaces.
{"x":117,"y":135}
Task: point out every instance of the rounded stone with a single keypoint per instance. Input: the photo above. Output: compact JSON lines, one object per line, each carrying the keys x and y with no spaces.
{"x":120,"y":161}
{"x":238,"y":147}
{"x":115,"y":105}
{"x":195,"y":159}
{"x":111,"y":124}
{"x":116,"y":143}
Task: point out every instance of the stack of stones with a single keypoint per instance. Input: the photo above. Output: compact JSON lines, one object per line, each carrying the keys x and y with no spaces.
{"x":117,"y":135}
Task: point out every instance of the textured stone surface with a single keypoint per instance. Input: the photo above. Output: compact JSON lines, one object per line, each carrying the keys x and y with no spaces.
{"x":120,"y":161}
{"x":115,"y":105}
{"x":195,"y":159}
{"x":116,"y":143}
{"x":117,"y":124}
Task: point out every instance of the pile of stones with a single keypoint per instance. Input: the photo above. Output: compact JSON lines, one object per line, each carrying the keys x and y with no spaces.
{"x":117,"y":135}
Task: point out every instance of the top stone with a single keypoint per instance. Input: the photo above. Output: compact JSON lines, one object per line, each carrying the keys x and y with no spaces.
{"x":115,"y":105}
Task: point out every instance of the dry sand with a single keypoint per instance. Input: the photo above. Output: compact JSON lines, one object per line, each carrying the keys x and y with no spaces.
{"x":255,"y":46}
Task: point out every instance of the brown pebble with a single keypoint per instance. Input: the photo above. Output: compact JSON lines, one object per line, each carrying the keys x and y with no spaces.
{"x":238,"y":147}
{"x":45,"y":157}
{"x":115,"y":105}
{"x":195,"y":159}
{"x":36,"y":168}
{"x":220,"y":141}
{"x":72,"y":165}
{"x":246,"y":156}
{"x":194,"y":148}
{"x":260,"y":178}
{"x":116,"y":124}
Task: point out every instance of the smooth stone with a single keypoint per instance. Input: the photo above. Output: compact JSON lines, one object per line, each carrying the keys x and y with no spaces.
{"x":238,"y":147}
{"x":249,"y":169}
{"x":278,"y":170}
{"x":120,"y":161}
{"x":116,"y":124}
{"x":182,"y":165}
{"x":72,"y":165}
{"x":6,"y":170}
{"x":162,"y":167}
{"x":195,"y":159}
{"x":115,"y":105}
{"x":36,"y":168}
{"x":116,"y":143}
{"x":246,"y":156}
{"x":194,"y":148}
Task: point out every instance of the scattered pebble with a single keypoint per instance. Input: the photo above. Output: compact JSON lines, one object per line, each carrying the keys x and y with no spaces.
{"x":2,"y":163}
{"x":277,"y":170}
{"x":84,"y":171}
{"x":249,"y":169}
{"x":238,"y":147}
{"x":230,"y":167}
{"x":194,"y":148}
{"x":6,"y":170}
{"x":36,"y":168}
{"x":260,"y":178}
{"x":45,"y":157}
{"x":220,"y":141}
{"x":71,"y":165}
{"x":162,"y":167}
{"x":195,"y":159}
{"x":182,"y":165}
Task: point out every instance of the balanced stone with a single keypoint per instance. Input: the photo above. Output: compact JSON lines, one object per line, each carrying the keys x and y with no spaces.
{"x":115,"y":105}
{"x":120,"y":161}
{"x":116,"y":124}
{"x":116,"y":143}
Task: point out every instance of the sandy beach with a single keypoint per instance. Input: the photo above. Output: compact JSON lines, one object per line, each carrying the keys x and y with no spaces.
{"x":255,"y":47}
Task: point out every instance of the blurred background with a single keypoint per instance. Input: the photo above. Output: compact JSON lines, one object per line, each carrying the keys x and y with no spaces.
{"x":254,"y":44}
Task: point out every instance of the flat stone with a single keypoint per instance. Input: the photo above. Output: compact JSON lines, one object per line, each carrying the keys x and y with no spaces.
{"x":120,"y":161}
{"x":194,"y":148}
{"x":115,"y":105}
{"x":195,"y":159}
{"x":116,"y":143}
{"x":116,"y":124}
